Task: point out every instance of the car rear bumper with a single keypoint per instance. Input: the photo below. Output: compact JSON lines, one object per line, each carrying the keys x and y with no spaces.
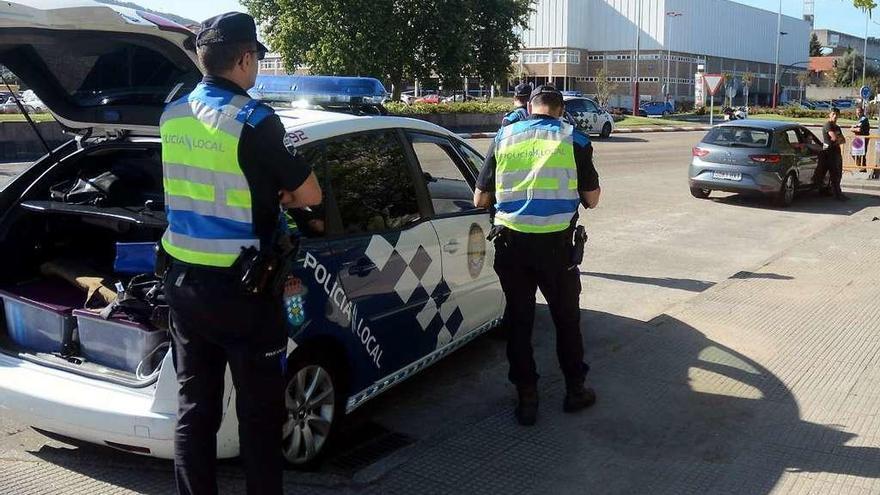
{"x":754,"y":179}
{"x":84,"y":409}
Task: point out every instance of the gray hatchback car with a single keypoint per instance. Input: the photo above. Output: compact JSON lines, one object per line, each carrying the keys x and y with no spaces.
{"x":775,"y":159}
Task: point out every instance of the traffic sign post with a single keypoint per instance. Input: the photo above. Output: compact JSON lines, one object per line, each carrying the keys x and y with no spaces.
{"x":713,"y":82}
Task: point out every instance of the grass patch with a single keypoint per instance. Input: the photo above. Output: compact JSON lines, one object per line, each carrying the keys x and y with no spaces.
{"x":807,"y":120}
{"x":630,"y":121}
{"x":17,"y":117}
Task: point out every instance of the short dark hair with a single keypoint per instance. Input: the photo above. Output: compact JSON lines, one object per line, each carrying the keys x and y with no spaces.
{"x":521,"y":99}
{"x":835,"y":110}
{"x":217,"y":58}
{"x":553,"y":101}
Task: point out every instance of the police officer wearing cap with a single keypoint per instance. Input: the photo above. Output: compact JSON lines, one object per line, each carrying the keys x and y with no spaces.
{"x":520,"y":100}
{"x":537,"y":173}
{"x":226,"y":175}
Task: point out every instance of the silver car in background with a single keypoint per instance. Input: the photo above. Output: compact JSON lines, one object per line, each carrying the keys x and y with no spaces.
{"x":775,"y":159}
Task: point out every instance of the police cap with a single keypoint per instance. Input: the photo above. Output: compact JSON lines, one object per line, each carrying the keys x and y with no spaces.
{"x":546,"y":89}
{"x":231,"y":27}
{"x":522,"y":90}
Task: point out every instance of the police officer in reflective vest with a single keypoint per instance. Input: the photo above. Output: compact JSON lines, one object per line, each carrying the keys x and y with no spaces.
{"x":537,"y":174}
{"x":225,"y":172}
{"x":520,"y":99}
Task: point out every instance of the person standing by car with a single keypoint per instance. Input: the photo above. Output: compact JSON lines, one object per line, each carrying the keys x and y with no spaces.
{"x":862,"y":127}
{"x":225,"y":170}
{"x":520,"y":100}
{"x":537,"y":173}
{"x":830,"y":159}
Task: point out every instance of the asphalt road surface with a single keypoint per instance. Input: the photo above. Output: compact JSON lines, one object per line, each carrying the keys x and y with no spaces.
{"x":652,"y":249}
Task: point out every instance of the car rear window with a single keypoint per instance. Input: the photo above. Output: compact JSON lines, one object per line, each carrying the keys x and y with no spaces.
{"x":738,"y":137}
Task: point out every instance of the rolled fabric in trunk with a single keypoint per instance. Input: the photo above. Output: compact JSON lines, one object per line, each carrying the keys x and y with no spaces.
{"x":100,"y":288}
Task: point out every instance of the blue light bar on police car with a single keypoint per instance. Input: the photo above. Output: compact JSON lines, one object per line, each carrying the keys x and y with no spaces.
{"x":319,"y":90}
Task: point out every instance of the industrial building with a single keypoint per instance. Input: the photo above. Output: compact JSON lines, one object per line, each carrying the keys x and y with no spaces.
{"x":569,"y":41}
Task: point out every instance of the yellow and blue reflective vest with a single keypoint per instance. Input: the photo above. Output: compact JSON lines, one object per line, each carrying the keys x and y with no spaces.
{"x":207,"y":197}
{"x":536,"y":175}
{"x":519,"y":114}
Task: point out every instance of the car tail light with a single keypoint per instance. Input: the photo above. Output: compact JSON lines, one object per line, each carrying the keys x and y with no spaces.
{"x":766,"y":158}
{"x":700,"y":152}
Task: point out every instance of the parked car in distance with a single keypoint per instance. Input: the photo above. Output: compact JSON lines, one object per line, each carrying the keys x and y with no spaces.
{"x":821,"y":105}
{"x":9,"y":106}
{"x":29,"y":98}
{"x":770,"y":158}
{"x":408,"y":97}
{"x":843,"y":103}
{"x":459,"y":97}
{"x":431,"y":99}
{"x":655,"y":108}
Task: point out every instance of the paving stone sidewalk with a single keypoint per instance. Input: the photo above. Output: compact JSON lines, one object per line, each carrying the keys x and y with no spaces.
{"x":766,"y":383}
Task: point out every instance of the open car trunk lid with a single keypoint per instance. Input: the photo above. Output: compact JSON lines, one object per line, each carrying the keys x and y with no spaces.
{"x":98,"y":66}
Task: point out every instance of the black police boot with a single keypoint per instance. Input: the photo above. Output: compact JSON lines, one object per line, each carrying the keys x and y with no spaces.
{"x":577,"y":398}
{"x":526,"y":411}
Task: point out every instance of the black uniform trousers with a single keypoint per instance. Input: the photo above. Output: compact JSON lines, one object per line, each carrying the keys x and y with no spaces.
{"x":524,"y":263}
{"x":214,"y":324}
{"x":830,"y":162}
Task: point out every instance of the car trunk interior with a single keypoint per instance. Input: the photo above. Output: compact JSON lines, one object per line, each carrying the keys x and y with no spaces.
{"x":62,"y":258}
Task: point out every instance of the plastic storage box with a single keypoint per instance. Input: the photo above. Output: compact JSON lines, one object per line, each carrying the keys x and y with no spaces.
{"x":39,"y":314}
{"x":116,"y":343}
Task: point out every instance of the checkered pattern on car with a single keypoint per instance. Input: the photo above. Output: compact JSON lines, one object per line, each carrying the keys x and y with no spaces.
{"x":418,"y":276}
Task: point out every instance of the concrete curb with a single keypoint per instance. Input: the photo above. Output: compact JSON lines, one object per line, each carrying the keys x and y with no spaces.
{"x":491,"y":135}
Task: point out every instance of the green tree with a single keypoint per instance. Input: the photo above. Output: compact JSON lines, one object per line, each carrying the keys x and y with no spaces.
{"x":747,"y":78}
{"x":396,"y":40}
{"x":815,"y":46}
{"x":848,"y":69}
{"x":866,"y":5}
{"x":604,"y":87}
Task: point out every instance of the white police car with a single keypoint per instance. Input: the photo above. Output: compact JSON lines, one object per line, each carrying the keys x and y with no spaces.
{"x":589,"y":116}
{"x":394,"y":270}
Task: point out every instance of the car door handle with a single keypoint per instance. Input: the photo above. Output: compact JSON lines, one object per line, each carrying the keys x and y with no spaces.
{"x":362,"y":268}
{"x":451,"y":247}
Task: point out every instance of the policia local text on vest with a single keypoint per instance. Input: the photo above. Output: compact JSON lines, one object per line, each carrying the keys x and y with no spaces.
{"x":225,"y":168}
{"x":536,"y":174}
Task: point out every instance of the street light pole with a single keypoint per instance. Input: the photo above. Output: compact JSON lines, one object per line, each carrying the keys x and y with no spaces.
{"x":669,"y":15}
{"x":778,"y":41}
{"x":865,"y":53}
{"x":638,"y":48}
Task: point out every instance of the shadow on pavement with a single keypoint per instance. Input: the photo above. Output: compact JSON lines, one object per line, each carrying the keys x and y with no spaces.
{"x":619,"y":138}
{"x":806,"y":202}
{"x":687,"y":284}
{"x":677,"y":413}
{"x":753,"y":275}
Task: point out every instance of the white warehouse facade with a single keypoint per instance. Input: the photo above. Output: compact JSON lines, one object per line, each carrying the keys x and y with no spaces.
{"x":569,"y":41}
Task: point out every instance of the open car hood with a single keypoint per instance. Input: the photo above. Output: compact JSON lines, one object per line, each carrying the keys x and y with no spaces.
{"x":98,"y":66}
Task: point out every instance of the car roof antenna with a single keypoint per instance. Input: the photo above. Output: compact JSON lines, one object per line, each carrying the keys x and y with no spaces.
{"x":27,"y":117}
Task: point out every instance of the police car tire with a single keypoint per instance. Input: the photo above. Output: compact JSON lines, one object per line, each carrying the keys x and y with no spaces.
{"x":700,"y":193}
{"x":302,"y":359}
{"x":606,"y":130}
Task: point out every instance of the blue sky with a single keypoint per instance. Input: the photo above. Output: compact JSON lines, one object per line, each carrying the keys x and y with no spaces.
{"x":839,"y":15}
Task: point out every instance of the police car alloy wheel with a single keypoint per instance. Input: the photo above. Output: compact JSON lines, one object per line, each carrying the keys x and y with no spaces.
{"x":311,"y":399}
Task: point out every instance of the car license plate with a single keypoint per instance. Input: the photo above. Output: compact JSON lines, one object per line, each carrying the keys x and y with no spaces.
{"x":727,"y":175}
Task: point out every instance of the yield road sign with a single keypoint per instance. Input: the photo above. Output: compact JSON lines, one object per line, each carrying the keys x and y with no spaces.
{"x":713,"y":82}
